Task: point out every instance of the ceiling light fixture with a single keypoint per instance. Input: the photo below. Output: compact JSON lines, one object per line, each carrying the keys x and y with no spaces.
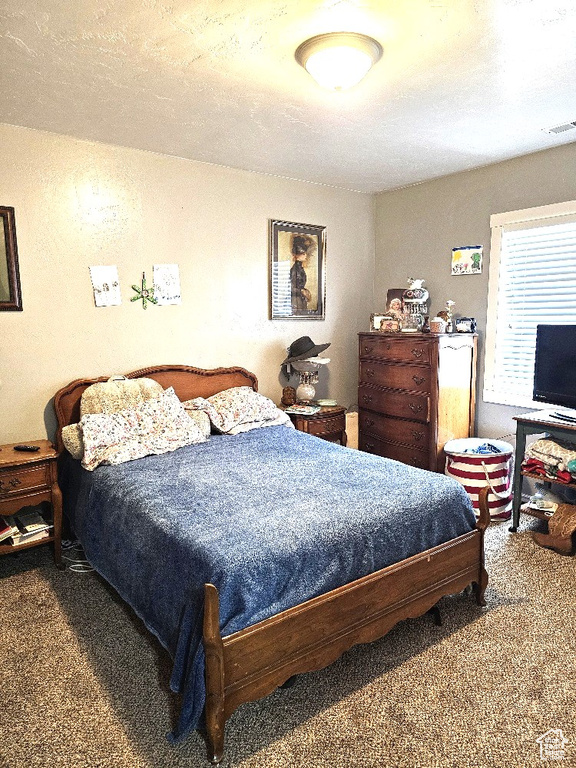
{"x":338,"y":60}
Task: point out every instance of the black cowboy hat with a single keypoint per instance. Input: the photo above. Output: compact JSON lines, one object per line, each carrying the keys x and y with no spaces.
{"x":303,"y":348}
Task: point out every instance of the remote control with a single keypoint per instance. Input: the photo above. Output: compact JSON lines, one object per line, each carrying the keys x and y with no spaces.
{"x":27,"y":448}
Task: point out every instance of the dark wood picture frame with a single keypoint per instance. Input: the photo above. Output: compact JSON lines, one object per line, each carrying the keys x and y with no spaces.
{"x":10,"y":294}
{"x":297,"y":271}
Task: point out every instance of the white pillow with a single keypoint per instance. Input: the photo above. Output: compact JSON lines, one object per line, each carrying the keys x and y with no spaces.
{"x":156,"y":426}
{"x":117,"y":393}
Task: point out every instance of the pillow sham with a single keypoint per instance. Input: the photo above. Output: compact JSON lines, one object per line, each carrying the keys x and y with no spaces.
{"x":158,"y":425}
{"x":201,"y":419}
{"x":72,"y":439}
{"x":117,"y":393}
{"x":237,"y":406}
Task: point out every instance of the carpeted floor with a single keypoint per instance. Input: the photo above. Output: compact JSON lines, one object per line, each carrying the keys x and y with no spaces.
{"x":83,"y":685}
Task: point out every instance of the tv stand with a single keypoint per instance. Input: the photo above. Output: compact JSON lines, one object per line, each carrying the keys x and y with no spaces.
{"x":535,"y":423}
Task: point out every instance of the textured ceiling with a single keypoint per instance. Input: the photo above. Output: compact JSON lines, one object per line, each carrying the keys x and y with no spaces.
{"x":462,"y":83}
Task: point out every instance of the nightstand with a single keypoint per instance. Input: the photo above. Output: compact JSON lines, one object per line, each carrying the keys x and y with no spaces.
{"x":328,"y":423}
{"x":27,"y":479}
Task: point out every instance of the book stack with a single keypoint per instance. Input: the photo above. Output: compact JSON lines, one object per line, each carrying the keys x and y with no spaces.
{"x":304,"y":410}
{"x":26,"y":526}
{"x":6,"y":529}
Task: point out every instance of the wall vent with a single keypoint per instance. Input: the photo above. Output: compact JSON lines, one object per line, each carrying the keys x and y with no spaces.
{"x":561,"y":128}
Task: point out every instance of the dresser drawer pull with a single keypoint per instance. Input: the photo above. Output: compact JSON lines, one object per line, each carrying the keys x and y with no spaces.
{"x":367,"y":398}
{"x":418,"y":380}
{"x":417,"y":435}
{"x":369,"y":447}
{"x":15,"y":482}
{"x":370,"y":373}
{"x":369,"y":422}
{"x":417,"y":353}
{"x":416,"y":408}
{"x":367,"y":349}
{"x":415,"y":460}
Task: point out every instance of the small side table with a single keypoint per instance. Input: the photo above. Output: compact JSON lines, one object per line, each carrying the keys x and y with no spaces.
{"x":27,"y":479}
{"x":535,"y":423}
{"x":329,"y":423}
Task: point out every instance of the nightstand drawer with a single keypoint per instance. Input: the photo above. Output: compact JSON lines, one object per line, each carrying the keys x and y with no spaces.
{"x":327,"y":426}
{"x":389,"y":428}
{"x":401,"y":349}
{"x":329,"y":423}
{"x":413,"y":377}
{"x":18,"y":481}
{"x":402,"y":404}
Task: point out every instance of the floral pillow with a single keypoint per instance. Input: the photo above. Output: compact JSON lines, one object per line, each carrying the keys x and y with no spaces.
{"x":238,"y":409}
{"x":201,"y":420}
{"x":156,"y":426}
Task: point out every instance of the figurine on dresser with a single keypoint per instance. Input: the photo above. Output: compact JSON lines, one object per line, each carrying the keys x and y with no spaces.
{"x":414,"y":301}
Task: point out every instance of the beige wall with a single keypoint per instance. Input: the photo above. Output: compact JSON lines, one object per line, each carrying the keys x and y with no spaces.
{"x":79,"y":204}
{"x":417,"y":227}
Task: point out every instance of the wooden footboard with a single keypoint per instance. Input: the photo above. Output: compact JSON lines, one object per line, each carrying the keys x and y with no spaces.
{"x":251,"y":663}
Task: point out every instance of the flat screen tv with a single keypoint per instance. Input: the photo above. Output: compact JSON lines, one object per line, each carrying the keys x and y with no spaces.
{"x":555,"y":365}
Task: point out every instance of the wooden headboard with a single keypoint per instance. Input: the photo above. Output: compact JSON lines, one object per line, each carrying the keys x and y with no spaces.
{"x":188,"y":382}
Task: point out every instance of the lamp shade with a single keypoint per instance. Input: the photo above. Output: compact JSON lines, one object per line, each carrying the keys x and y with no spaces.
{"x":338,"y":60}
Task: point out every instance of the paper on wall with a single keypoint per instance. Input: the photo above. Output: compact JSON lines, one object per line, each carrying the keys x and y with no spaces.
{"x":106,"y":286}
{"x":166,"y":283}
{"x":467,"y":260}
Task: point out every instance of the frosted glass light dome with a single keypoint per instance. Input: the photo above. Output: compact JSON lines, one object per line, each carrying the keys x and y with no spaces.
{"x":338,"y":60}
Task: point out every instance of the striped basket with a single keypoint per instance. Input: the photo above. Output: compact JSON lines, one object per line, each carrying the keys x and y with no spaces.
{"x":476,"y":470}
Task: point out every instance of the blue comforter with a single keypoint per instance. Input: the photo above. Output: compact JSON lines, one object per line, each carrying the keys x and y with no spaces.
{"x":272,"y":517}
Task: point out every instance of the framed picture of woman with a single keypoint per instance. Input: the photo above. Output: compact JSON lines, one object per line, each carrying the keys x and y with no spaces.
{"x":297,"y":271}
{"x":10,"y":295}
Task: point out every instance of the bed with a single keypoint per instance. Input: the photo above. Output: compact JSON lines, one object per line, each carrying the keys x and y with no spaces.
{"x":222,"y":550}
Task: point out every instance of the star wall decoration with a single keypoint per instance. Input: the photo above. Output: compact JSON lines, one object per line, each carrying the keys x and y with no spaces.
{"x":144,"y":294}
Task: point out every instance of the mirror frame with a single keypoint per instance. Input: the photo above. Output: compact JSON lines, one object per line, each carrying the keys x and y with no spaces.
{"x":10,"y":255}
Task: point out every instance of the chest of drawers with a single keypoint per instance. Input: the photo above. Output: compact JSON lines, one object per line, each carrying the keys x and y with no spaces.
{"x":416,"y":391}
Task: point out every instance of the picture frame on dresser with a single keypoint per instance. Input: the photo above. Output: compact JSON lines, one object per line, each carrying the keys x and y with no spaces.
{"x":376,"y":320}
{"x":297,"y":271}
{"x":10,"y":292}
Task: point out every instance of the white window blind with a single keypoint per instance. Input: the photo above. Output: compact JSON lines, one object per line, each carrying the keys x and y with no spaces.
{"x":532,"y":281}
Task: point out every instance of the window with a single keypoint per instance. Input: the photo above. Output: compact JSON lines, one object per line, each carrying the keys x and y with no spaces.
{"x":532,"y":280}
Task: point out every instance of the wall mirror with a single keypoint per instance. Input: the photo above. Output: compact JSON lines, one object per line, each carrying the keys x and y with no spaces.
{"x":10,"y":294}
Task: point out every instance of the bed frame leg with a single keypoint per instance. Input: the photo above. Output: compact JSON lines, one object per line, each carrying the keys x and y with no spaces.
{"x":214,"y":652}
{"x":481,"y":524}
